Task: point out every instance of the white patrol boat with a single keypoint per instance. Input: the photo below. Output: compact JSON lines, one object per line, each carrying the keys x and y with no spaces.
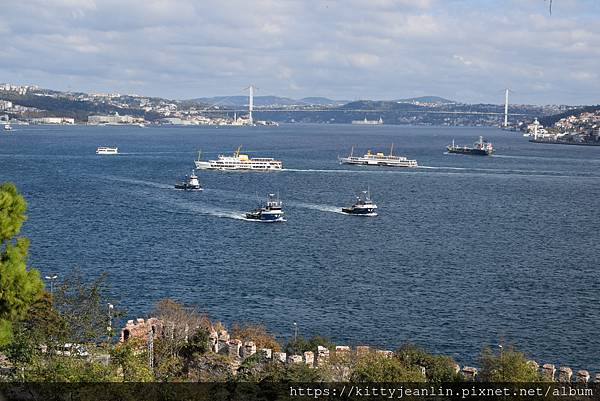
{"x":104,"y":150}
{"x":239,"y":162}
{"x":378,"y":159}
{"x":190,"y":183}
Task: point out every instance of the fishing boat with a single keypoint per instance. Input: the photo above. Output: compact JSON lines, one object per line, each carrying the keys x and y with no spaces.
{"x":363,"y":206}
{"x":190,"y":183}
{"x":270,"y":212}
{"x":480,"y":148}
{"x":239,"y":162}
{"x":105,"y":150}
{"x":378,"y":159}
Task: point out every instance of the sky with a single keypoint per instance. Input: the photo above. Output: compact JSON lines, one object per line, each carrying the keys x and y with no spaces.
{"x":463,"y":50}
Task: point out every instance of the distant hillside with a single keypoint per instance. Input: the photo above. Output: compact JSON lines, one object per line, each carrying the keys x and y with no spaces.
{"x":427,"y":99}
{"x":379,"y":105}
{"x":323,"y":101}
{"x":548,"y":121}
{"x":261,"y":101}
{"x":242,"y":101}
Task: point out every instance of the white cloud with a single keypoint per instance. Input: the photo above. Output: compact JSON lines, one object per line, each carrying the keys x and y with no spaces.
{"x":184,"y":48}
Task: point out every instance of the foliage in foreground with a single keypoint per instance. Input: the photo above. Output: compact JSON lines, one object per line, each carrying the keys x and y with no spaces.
{"x":20,"y":286}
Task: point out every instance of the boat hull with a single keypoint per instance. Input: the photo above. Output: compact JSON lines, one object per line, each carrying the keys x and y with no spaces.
{"x":201,"y":165}
{"x":408,"y":163}
{"x":359,"y":211}
{"x":469,"y":151}
{"x":186,"y":187}
{"x":265,"y":217}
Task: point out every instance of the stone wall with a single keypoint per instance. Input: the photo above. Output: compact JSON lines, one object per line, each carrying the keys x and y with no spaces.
{"x":222,"y":343}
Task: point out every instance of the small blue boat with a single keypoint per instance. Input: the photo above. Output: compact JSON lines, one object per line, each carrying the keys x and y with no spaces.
{"x":363,"y":206}
{"x":271,"y":212}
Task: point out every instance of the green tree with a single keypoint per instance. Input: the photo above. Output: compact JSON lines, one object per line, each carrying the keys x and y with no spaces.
{"x":82,"y":305}
{"x":132,"y":360}
{"x":507,"y":365}
{"x":20,"y":287}
{"x":438,"y":368}
{"x":301,"y":345}
{"x":380,"y":368}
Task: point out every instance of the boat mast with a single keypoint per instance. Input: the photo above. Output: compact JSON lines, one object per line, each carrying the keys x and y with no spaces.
{"x":392,"y":149}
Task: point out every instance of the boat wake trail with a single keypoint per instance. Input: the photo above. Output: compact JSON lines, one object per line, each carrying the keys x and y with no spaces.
{"x":322,"y":208}
{"x":134,"y":181}
{"x":444,"y":168}
{"x":210,"y":211}
{"x":198,"y":208}
{"x":343,"y":171}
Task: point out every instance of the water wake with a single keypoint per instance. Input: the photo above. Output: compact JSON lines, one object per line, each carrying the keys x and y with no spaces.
{"x":322,"y":208}
{"x":134,"y":181}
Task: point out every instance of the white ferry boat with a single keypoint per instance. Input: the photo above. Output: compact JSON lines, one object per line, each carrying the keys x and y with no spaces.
{"x":368,"y":122}
{"x":104,"y":150}
{"x":239,"y":162}
{"x":378,"y":159}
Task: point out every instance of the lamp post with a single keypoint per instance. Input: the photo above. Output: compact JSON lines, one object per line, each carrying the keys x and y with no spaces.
{"x":51,"y":279}
{"x":295,"y":332}
{"x":109,"y":327}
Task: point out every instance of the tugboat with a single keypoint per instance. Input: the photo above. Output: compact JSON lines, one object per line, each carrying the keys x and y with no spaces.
{"x":480,"y":148}
{"x":190,"y":183}
{"x":269,"y":213}
{"x":363,"y":206}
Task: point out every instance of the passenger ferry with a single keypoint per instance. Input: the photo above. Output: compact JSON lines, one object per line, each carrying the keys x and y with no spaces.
{"x":104,"y":150}
{"x":378,"y":159}
{"x":269,"y":213}
{"x":239,"y":162}
{"x":363,"y":206}
{"x":190,"y":183}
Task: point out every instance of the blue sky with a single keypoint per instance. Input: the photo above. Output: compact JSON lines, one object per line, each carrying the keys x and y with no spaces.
{"x":372,"y":49}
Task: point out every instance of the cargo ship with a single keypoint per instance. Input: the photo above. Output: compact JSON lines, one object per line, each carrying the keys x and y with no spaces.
{"x":480,"y":148}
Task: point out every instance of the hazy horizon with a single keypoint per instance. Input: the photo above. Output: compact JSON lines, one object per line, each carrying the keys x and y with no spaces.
{"x":380,"y":50}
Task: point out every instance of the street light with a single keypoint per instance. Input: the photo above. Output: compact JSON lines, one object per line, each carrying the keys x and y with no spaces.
{"x":109,"y":328}
{"x":51,"y":278}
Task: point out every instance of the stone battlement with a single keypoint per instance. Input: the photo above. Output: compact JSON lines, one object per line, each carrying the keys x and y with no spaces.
{"x":222,"y":343}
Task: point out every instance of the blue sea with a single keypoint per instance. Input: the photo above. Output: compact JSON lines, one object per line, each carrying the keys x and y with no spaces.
{"x":466,"y":251}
